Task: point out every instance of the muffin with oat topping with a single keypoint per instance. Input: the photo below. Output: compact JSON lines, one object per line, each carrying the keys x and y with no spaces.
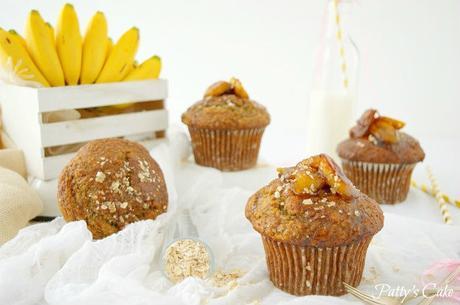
{"x":315,"y":227}
{"x":111,"y":183}
{"x":379,"y":158}
{"x":226,"y":127}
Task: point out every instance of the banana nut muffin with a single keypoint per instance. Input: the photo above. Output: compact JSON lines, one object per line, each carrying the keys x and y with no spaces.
{"x":226,"y":127}
{"x":111,"y":183}
{"x":315,"y":227}
{"x":379,"y":158}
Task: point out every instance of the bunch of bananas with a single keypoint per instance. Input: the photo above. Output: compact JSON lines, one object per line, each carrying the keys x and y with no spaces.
{"x":63,"y":57}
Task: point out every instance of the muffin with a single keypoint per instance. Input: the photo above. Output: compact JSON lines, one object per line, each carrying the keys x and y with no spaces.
{"x":315,"y":227}
{"x":109,"y":184}
{"x":379,"y":158}
{"x":226,"y":127}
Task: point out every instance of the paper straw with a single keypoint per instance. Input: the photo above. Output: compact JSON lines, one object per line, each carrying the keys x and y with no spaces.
{"x":437,"y":193}
{"x":428,"y":190}
{"x":339,"y":36}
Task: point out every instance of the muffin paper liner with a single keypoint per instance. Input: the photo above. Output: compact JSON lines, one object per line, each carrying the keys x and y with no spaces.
{"x":226,"y":149}
{"x":386,"y":183}
{"x":305,"y":270}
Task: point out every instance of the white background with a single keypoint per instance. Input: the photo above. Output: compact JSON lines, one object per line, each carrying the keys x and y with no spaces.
{"x":409,"y":65}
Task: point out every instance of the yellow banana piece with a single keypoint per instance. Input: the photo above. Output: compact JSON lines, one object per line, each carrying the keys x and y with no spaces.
{"x":51,"y":32}
{"x":11,"y":49}
{"x":109,"y":47}
{"x":149,"y":69}
{"x":69,"y":44}
{"x":95,"y":47}
{"x":15,"y":35}
{"x":134,"y":66}
{"x":121,"y":57}
{"x":43,"y":50}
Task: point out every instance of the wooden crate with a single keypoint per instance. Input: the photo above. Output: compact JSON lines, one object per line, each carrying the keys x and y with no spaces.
{"x":25,"y":113}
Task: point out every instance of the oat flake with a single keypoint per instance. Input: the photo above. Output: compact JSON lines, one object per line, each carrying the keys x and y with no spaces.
{"x":186,"y":258}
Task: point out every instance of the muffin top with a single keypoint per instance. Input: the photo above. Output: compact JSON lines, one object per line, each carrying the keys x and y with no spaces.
{"x":313,"y":204}
{"x":378,"y":139}
{"x":111,"y":183}
{"x":226,"y":105}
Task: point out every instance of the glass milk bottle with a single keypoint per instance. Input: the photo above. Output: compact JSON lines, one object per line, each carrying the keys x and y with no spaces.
{"x":333,"y":93}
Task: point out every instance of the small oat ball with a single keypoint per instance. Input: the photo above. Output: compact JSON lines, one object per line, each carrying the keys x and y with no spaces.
{"x":111,"y":183}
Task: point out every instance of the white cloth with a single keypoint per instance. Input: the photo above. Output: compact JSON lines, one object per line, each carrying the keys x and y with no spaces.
{"x":57,"y":263}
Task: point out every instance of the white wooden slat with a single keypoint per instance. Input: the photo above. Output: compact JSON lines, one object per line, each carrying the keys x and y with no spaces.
{"x":21,"y":117}
{"x":78,"y":131}
{"x":53,"y":165}
{"x":95,"y":95}
{"x":20,"y":121}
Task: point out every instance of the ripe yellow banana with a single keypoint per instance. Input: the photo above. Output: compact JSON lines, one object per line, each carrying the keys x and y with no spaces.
{"x":11,"y":49}
{"x":42,"y":49}
{"x":121,"y":57}
{"x":149,"y":69}
{"x":69,"y":44}
{"x":109,"y":47}
{"x":122,"y":106}
{"x":132,"y":67}
{"x":51,"y":32}
{"x":18,"y":38}
{"x":95,"y":47}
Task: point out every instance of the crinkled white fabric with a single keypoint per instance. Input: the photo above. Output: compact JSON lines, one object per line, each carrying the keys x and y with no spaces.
{"x":58,"y":264}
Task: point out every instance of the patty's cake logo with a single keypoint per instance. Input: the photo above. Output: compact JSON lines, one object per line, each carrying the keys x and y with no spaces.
{"x":429,"y":290}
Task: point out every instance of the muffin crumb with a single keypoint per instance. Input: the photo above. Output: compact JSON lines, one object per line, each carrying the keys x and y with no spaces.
{"x":100,"y":177}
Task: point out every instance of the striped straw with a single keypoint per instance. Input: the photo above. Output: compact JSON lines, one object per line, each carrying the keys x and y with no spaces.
{"x":339,"y":36}
{"x":428,"y":190}
{"x":437,"y":193}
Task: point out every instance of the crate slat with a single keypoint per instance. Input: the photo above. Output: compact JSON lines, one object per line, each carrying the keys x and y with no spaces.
{"x":88,"y":96}
{"x":77,"y":131}
{"x":23,"y":108}
{"x":53,"y":165}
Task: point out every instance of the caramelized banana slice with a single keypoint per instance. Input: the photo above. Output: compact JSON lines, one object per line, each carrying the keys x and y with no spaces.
{"x":393,"y":122}
{"x":317,"y":172}
{"x":218,"y":89}
{"x":308,"y":183}
{"x":280,"y":170}
{"x":362,"y":125}
{"x":358,"y":131}
{"x":368,"y":117}
{"x":238,"y":88}
{"x":384,"y":131}
{"x":336,"y":179}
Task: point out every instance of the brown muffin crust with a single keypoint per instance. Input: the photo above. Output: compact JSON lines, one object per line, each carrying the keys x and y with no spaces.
{"x":227,"y":111}
{"x":111,"y":183}
{"x":322,"y":218}
{"x":406,"y":150}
